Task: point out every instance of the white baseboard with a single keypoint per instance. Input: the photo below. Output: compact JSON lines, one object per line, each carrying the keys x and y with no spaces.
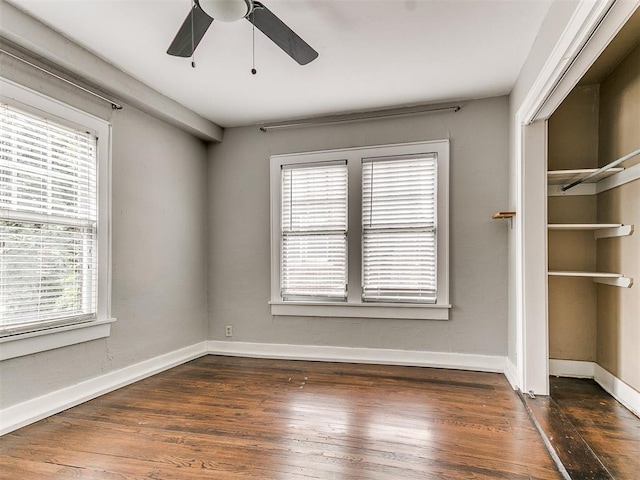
{"x":511,"y":372}
{"x":571,"y":368}
{"x":626,"y":395}
{"x":17,"y":416}
{"x":414,"y":358}
{"x":22,"y":414}
{"x":25,"y":413}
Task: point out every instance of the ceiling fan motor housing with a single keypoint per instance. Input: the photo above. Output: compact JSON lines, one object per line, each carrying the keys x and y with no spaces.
{"x":226,"y":10}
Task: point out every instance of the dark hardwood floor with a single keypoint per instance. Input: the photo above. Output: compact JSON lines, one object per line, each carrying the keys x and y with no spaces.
{"x":592,"y":435}
{"x":611,"y":431}
{"x":235,"y":418}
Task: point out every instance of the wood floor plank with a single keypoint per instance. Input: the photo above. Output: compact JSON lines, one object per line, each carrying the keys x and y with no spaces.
{"x":235,"y":418}
{"x":572,"y":450}
{"x":611,"y":431}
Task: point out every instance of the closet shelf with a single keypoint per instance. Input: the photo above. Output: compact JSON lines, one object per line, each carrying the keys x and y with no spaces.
{"x":600,"y":230}
{"x":556,"y":179}
{"x":588,"y":180}
{"x":615,"y":279}
{"x":565,"y":273}
{"x":582,"y":226}
{"x":563,"y":177}
{"x":598,"y":173}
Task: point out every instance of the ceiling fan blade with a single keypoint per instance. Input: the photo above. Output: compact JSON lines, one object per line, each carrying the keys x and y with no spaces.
{"x":184,"y":42}
{"x":281,"y":35}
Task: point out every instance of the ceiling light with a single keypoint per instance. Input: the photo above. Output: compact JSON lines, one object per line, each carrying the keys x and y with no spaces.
{"x":226,"y":10}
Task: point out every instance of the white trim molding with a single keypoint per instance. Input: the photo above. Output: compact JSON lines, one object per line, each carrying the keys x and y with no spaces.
{"x":22,"y":344}
{"x":381,"y":356}
{"x":30,"y":411}
{"x":593,"y":24}
{"x":618,"y":389}
{"x":511,"y":372}
{"x":621,"y":391}
{"x":362,"y":310}
{"x":25,"y":413}
{"x":591,"y":27}
{"x":571,"y":368}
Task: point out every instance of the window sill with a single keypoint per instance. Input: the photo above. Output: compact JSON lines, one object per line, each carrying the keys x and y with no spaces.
{"x":41,"y":340}
{"x":361,"y":310}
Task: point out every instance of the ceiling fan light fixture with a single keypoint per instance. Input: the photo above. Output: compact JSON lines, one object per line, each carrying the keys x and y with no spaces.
{"x":203,"y":13}
{"x":226,"y":10}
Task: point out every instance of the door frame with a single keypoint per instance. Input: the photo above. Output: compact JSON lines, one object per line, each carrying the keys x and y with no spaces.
{"x":591,"y":28}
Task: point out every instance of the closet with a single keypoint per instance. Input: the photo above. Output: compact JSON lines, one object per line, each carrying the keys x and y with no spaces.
{"x":594,"y":216}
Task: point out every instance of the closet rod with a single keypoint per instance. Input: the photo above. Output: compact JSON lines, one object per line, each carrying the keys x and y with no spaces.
{"x":609,"y":166}
{"x":114,"y":105}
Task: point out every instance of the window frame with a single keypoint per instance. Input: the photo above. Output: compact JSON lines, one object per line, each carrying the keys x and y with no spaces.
{"x":41,"y":338}
{"x":355,"y":306}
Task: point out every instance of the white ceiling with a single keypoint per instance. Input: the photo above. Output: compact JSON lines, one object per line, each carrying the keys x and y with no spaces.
{"x":373,"y":53}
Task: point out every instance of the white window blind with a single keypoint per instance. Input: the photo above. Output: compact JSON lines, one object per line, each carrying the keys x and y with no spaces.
{"x":399,"y":229}
{"x":314,"y":231}
{"x":48,"y":215}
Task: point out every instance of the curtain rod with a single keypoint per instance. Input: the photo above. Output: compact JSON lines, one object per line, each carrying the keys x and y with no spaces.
{"x":320,"y":121}
{"x":114,"y":105}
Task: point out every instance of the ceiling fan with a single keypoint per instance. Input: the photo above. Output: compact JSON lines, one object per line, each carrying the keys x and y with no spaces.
{"x":204,"y":12}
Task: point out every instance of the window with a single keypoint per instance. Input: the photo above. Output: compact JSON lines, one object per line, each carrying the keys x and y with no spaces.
{"x":314,"y":232}
{"x":394,"y":264}
{"x":54,"y":240}
{"x":399,"y":229}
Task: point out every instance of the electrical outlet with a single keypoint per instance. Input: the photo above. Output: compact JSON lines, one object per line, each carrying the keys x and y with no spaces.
{"x":228,"y":331}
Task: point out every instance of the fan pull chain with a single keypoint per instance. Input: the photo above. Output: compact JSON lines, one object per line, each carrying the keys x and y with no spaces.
{"x":253,"y":43}
{"x":193,"y":49}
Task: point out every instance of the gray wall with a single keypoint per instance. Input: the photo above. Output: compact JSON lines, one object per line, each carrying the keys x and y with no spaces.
{"x":239,"y":253}
{"x":159,"y":288}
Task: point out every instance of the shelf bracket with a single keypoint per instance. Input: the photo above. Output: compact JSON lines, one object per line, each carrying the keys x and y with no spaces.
{"x":624,"y":282}
{"x":503,"y":215}
{"x":621,"y":231}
